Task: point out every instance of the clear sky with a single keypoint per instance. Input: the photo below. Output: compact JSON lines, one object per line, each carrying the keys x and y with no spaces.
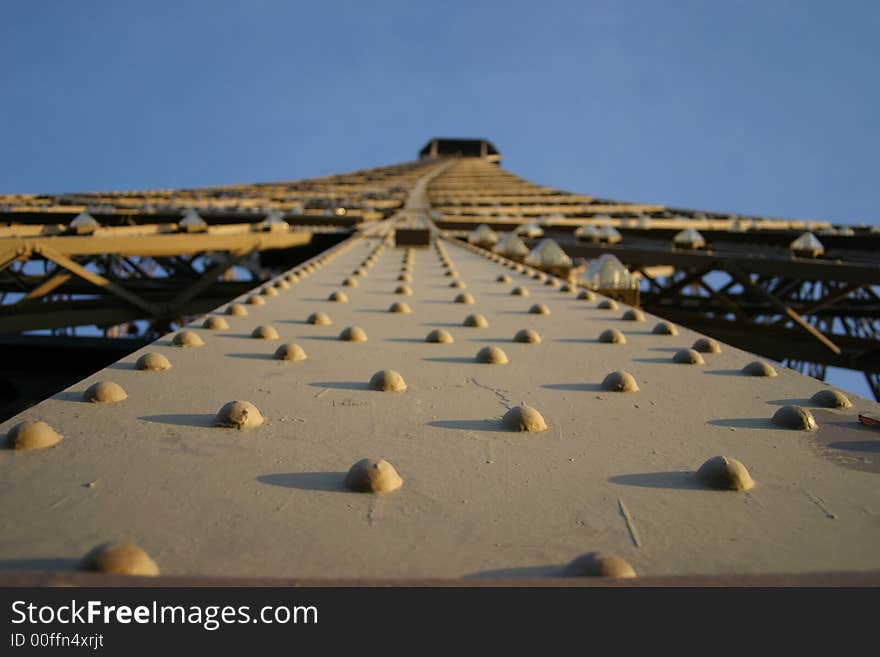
{"x":766,"y":107}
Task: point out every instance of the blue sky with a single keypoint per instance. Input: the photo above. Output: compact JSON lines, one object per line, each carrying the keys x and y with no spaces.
{"x":767,"y":107}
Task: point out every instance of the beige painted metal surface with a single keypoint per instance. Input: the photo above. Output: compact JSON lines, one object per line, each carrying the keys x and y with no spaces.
{"x":614,"y":472}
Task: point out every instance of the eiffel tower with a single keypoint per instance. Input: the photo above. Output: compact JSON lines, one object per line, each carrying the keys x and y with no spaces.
{"x":535,"y":374}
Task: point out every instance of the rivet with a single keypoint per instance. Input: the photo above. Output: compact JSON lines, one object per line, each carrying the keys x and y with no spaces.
{"x":265,"y":332}
{"x":373,"y":476}
{"x":238,"y":415}
{"x":405,"y":290}
{"x":400,"y":307}
{"x":597,"y":564}
{"x":119,"y":559}
{"x":607,"y":304}
{"x":831,"y":399}
{"x":236,"y":309}
{"x":567,"y":288}
{"x":187,"y":339}
{"x":32,"y":434}
{"x":552,"y":282}
{"x":406,"y":278}
{"x":529,"y":336}
{"x":269,"y":291}
{"x":539,"y":309}
{"x":104,"y":392}
{"x":725,"y":473}
{"x":794,"y":417}
{"x":612,"y":336}
{"x":492,"y":356}
{"x":440,"y":336}
{"x":281,"y":284}
{"x":688,"y":357}
{"x":350,"y":282}
{"x":524,"y":418}
{"x":215,"y":323}
{"x":520,"y":292}
{"x":759,"y":368}
{"x":633,"y":315}
{"x":664,"y":328}
{"x":290,"y":351}
{"x":153,"y":362}
{"x":293,"y":278}
{"x":504,"y":278}
{"x":464,"y":298}
{"x":586,"y":295}
{"x":387,"y":381}
{"x":353,"y":334}
{"x":540,"y":276}
{"x":338,"y":297}
{"x":458,"y":285}
{"x":319,"y":319}
{"x":707,"y":346}
{"x":476,"y":321}
{"x":620,"y":382}
{"x":360,"y":272}
{"x":256,"y":300}
{"x":451,"y":272}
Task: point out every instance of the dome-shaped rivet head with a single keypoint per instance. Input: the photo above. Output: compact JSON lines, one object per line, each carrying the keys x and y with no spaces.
{"x":529,"y":336}
{"x":586,"y":295}
{"x":524,"y":418}
{"x":520,"y":292}
{"x":236,"y":309}
{"x":566,"y":287}
{"x":120,"y":559}
{"x":688,"y":357}
{"x":256,"y":300}
{"x":620,"y":382}
{"x":153,"y":362}
{"x":104,"y":392}
{"x":539,"y":309}
{"x":32,"y":434}
{"x":451,"y":273}
{"x":281,"y":284}
{"x":406,"y":278}
{"x":724,"y":473}
{"x":400,"y":307}
{"x":664,"y":328}
{"x":612,"y":336}
{"x":215,"y":323}
{"x":459,"y":285}
{"x":503,"y":278}
{"x":319,"y":319}
{"x":464,"y":298}
{"x":267,"y":291}
{"x":353,"y":334}
{"x":360,"y":271}
{"x":633,"y":315}
{"x":759,"y":368}
{"x":387,"y":381}
{"x":338,"y":297}
{"x":293,"y":278}
{"x":373,"y":476}
{"x":794,"y":417}
{"x":350,"y":282}
{"x":539,"y":276}
{"x":552,"y":282}
{"x":265,"y":332}
{"x":707,"y":346}
{"x":405,"y":290}
{"x":829,"y":398}
{"x":290,"y":351}
{"x":440,"y":336}
{"x":607,"y":304}
{"x":476,"y":321}
{"x":238,"y":415}
{"x":187,"y":339}
{"x":492,"y":356}
{"x":597,"y":564}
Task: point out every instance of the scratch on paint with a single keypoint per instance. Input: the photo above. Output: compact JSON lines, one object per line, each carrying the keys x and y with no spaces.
{"x":630,"y":523}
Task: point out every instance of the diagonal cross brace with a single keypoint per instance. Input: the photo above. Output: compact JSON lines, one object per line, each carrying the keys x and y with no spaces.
{"x":96,"y":279}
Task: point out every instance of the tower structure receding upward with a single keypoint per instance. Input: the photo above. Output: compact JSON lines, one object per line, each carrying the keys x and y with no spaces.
{"x":434,"y":369}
